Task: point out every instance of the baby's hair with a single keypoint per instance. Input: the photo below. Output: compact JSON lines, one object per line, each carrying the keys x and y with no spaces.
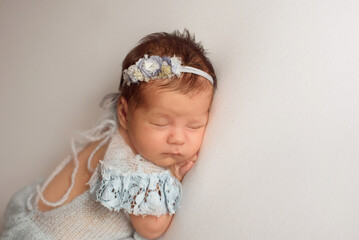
{"x":178,"y":44}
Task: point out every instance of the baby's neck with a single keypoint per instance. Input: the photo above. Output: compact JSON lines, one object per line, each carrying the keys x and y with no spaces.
{"x":126,"y":138}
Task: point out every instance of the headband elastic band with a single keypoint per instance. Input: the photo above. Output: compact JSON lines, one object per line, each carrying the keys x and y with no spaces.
{"x":197,"y":71}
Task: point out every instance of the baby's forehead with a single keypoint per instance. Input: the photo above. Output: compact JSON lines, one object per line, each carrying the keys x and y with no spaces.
{"x":176,"y":104}
{"x":153,"y":113}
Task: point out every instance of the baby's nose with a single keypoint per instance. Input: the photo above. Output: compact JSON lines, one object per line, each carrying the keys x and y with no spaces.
{"x":176,"y":137}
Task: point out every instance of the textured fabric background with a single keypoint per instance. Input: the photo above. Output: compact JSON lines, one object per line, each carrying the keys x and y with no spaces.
{"x":279,"y":160}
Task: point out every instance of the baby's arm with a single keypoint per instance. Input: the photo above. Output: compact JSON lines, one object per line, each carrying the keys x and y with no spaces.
{"x":152,"y":227}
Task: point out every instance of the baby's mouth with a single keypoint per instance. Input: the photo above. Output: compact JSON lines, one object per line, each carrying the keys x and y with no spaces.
{"x":175,"y":156}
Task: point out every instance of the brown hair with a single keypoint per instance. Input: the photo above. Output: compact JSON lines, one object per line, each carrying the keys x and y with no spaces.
{"x":178,"y":44}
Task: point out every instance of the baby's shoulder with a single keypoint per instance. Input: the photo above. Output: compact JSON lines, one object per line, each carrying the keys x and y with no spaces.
{"x":62,"y":181}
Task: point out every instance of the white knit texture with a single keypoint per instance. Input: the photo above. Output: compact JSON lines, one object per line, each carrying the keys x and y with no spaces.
{"x":83,"y":218}
{"x":120,"y":156}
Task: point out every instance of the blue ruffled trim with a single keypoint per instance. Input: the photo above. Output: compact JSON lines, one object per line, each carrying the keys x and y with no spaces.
{"x":138,"y":193}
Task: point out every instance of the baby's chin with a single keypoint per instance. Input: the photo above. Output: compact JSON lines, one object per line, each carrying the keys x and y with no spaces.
{"x":167,"y":160}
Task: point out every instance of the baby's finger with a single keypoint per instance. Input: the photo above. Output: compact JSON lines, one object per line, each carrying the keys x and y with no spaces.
{"x":185,"y":168}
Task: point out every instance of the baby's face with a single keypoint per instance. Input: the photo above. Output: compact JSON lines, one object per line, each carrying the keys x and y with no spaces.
{"x":170,"y":128}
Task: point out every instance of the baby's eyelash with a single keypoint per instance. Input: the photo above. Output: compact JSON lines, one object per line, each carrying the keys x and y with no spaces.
{"x":196,"y":127}
{"x":159,"y":125}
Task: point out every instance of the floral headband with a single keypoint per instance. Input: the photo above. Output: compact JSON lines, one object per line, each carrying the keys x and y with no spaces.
{"x":156,"y":67}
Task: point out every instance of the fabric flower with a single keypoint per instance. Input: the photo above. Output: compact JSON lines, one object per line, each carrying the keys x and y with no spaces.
{"x":166,"y":71}
{"x":138,"y":75}
{"x":149,"y":67}
{"x":128,"y":74}
{"x":126,"y":78}
{"x":166,"y":60}
{"x":176,"y":65}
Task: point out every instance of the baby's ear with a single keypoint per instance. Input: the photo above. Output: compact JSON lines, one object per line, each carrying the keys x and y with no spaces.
{"x":122,"y":109}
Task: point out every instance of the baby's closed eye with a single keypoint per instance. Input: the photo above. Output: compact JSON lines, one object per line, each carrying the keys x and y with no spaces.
{"x":159,"y":123}
{"x":196,"y":126}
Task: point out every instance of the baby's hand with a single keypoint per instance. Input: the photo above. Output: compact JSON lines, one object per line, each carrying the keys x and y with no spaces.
{"x":179,"y":170}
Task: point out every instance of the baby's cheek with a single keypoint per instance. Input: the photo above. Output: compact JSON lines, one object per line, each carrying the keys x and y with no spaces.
{"x":196,"y":142}
{"x":154,"y":141}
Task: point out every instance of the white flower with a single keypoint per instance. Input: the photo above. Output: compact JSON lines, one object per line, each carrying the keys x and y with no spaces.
{"x":128,"y":74}
{"x":130,"y":71}
{"x":176,"y":65}
{"x":138,"y":75}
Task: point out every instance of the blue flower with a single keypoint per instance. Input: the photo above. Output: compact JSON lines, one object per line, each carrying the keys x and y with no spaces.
{"x":167,"y":60}
{"x":149,"y":67}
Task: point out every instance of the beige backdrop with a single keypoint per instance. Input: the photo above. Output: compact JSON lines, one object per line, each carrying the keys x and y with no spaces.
{"x":280,"y":158}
